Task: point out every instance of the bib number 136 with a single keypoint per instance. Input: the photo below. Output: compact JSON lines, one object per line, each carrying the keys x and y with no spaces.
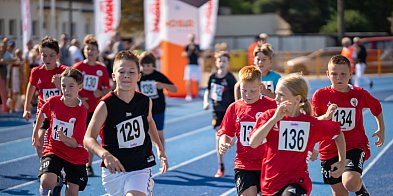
{"x":130,"y":133}
{"x":293,"y":135}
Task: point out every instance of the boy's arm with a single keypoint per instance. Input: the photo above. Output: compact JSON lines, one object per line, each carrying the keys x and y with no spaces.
{"x":169,"y":87}
{"x":90,"y":140}
{"x":267,"y":92}
{"x":237,"y":91}
{"x":206,"y":96}
{"x":29,"y":95}
{"x":35,"y":138}
{"x":338,"y":168}
{"x":329,"y":113}
{"x":68,"y":141}
{"x":380,"y":133}
{"x":156,"y":140}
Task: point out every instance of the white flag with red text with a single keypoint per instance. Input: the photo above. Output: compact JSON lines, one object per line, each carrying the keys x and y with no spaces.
{"x":207,"y":23}
{"x":152,"y":18}
{"x":26,"y":23}
{"x":107,"y":19}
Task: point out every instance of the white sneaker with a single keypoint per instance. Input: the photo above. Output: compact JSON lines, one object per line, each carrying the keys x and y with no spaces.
{"x":188,"y":98}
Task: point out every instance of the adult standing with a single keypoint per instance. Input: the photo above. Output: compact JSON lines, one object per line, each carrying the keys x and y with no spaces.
{"x":259,"y":40}
{"x":359,"y":57}
{"x":347,"y":51}
{"x":65,"y":58}
{"x":192,"y":70}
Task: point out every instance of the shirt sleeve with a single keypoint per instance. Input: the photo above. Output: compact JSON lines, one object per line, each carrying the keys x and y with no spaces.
{"x":316,"y":110}
{"x":164,"y":79}
{"x":46,"y":108}
{"x":33,"y":78}
{"x":228,"y":123}
{"x":105,"y":78}
{"x":372,"y":103}
{"x":262,"y":119}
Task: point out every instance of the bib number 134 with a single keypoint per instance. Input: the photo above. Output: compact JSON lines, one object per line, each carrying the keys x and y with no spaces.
{"x":293,"y":136}
{"x":130,"y":133}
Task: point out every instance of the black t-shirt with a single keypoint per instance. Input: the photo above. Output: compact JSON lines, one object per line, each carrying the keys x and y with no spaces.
{"x":192,"y":53}
{"x":221,"y":91}
{"x":147,"y":86}
{"x":125,"y":132}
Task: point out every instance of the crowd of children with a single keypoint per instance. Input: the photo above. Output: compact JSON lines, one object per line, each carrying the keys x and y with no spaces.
{"x":267,"y":116}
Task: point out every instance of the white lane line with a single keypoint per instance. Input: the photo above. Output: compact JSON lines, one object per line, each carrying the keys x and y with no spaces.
{"x":203,"y":129}
{"x":18,"y":159}
{"x":372,"y":163}
{"x":13,"y":128}
{"x":19,"y":186}
{"x":187,"y":162}
{"x":203,"y":112}
{"x":15,"y":141}
{"x":228,"y":192}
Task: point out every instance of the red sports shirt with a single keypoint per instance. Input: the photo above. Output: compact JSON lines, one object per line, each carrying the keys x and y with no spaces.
{"x":238,"y":121}
{"x":94,"y":77}
{"x":349,"y":114}
{"x":73,"y":123}
{"x":41,"y":79}
{"x":288,"y":147}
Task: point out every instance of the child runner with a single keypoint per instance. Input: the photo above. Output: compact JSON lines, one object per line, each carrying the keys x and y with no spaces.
{"x":263,"y":58}
{"x":95,"y":83}
{"x":45,"y":79}
{"x":153,"y":84}
{"x":344,"y":103}
{"x":239,"y":120}
{"x":289,"y":134}
{"x":67,"y":128}
{"x":220,"y":88}
{"x":124,"y":121}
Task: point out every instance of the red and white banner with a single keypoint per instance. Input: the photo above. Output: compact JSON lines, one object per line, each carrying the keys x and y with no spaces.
{"x":152,"y":18}
{"x":107,"y":19}
{"x":207,"y":23}
{"x":26,"y":23}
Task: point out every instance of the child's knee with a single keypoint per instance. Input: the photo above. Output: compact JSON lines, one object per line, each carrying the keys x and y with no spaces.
{"x":352,"y":183}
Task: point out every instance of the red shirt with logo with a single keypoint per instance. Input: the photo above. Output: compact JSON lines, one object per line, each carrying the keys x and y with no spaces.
{"x":238,"y":121}
{"x":349,"y":114}
{"x":95,"y":77}
{"x":72,"y":120}
{"x":41,"y":79}
{"x":288,"y":147}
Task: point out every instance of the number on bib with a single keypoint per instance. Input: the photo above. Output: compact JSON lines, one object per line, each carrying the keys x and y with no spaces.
{"x":49,"y":92}
{"x":90,"y":82}
{"x":67,"y":128}
{"x":216,"y":91}
{"x":149,"y":88}
{"x":293,"y":135}
{"x":346,"y":118}
{"x":245,"y":129}
{"x":131,"y":133}
{"x":269,"y":85}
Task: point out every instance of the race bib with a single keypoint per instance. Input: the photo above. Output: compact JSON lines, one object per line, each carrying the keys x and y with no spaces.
{"x":293,"y":135}
{"x":245,"y":129}
{"x":90,"y":82}
{"x":346,"y":118}
{"x":67,"y":128}
{"x":216,"y":91}
{"x":130,"y":133}
{"x":269,"y":85}
{"x":149,"y":88}
{"x":49,"y":92}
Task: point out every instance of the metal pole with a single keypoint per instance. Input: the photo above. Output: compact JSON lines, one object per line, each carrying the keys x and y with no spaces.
{"x":53,"y":18}
{"x":70,"y":17}
{"x":340,"y":19}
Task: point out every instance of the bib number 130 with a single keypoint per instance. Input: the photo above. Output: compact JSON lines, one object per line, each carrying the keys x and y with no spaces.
{"x":130,"y":133}
{"x":293,"y":136}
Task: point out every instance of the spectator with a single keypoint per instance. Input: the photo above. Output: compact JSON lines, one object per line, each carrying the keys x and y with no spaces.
{"x":347,"y":51}
{"x":65,"y":57}
{"x":259,"y":40}
{"x":359,"y":57}
{"x":75,"y":51}
{"x":192,"y":71}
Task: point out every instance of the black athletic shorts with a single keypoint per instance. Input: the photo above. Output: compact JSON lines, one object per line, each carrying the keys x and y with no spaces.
{"x":74,"y":173}
{"x":356,"y":157}
{"x":247,"y":178}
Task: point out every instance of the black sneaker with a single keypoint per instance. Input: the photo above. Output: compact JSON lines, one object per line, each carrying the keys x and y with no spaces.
{"x":89,"y":171}
{"x":57,"y":190}
{"x":371,"y":84}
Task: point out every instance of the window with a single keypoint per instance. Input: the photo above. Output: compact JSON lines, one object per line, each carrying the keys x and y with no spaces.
{"x":2,"y":27}
{"x":34,"y":28}
{"x":12,"y":27}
